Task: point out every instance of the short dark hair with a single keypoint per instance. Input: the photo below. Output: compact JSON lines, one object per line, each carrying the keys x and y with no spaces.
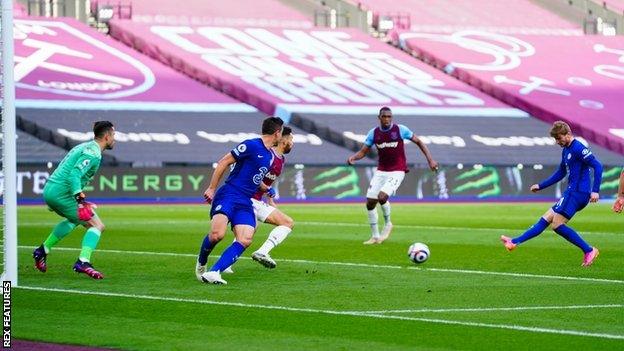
{"x":286,"y":131}
{"x":101,"y":128}
{"x":383,"y":109}
{"x":271,"y":125}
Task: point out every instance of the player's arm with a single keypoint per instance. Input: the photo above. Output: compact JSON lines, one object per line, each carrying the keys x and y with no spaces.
{"x":84,"y":164}
{"x":559,"y":174}
{"x":591,"y":160}
{"x":368,"y":143}
{"x":358,"y":155}
{"x":226,"y":161}
{"x":269,"y":191}
{"x":433,"y":165}
{"x":618,"y":205}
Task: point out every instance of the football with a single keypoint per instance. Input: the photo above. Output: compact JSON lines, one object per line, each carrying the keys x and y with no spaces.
{"x":418,"y":253}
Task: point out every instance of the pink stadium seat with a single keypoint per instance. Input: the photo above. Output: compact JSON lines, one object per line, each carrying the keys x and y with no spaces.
{"x":455,"y":14}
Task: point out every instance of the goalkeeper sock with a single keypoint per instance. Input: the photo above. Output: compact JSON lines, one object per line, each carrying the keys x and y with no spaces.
{"x":572,"y":236}
{"x":205,"y":250}
{"x":385,"y":209}
{"x":533,"y":231}
{"x":276,"y":236}
{"x":89,"y":243}
{"x":58,"y":233}
{"x":228,"y":257}
{"x":372,"y":220}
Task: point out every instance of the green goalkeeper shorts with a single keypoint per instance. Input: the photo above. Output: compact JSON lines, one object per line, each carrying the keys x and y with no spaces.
{"x":59,"y":200}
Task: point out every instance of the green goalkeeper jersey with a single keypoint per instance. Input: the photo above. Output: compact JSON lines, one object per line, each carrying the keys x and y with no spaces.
{"x":78,"y":167}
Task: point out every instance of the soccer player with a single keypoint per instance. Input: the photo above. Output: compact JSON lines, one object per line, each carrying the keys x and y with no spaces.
{"x":388,"y":138}
{"x":576,"y":159}
{"x":232,"y":202}
{"x":268,"y":212}
{"x":618,"y":205}
{"x":63,"y":193}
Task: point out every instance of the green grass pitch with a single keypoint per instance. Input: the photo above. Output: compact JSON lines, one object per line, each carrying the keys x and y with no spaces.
{"x":329,"y":292}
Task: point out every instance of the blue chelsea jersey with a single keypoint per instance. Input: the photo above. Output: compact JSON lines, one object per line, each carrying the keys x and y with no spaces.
{"x":253,"y":162}
{"x":576,"y":158}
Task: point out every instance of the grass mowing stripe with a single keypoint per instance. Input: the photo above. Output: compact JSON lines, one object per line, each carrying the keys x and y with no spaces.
{"x":332,"y":312}
{"x":335,"y":224}
{"x":364,"y":265}
{"x":490,"y":309}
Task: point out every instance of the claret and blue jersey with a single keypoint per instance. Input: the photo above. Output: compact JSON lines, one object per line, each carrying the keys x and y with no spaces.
{"x":390,"y":146}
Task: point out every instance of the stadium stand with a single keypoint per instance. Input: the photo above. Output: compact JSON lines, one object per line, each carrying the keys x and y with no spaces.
{"x":33,"y":150}
{"x":19,"y":10}
{"x":152,"y":138}
{"x":63,"y":63}
{"x":465,"y":140}
{"x":322,"y":71}
{"x":509,"y":16}
{"x":265,"y":13}
{"x":550,"y":78}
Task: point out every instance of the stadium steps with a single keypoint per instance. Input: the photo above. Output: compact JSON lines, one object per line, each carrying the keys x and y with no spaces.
{"x":49,"y":136}
{"x":327,"y":134}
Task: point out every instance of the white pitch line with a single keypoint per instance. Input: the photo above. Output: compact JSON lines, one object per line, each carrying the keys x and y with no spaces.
{"x":362,"y":265}
{"x":329,"y":224}
{"x":492,"y":309}
{"x":332,"y":312}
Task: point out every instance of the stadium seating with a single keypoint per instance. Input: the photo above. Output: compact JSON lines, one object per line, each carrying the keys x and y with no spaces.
{"x":463,"y":140}
{"x":156,"y":138}
{"x":265,"y":13}
{"x":285,"y":71}
{"x":509,"y":16}
{"x":576,"y":79}
{"x":31,"y":150}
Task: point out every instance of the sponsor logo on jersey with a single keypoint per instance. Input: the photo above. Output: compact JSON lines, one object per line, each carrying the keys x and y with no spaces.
{"x":85,"y":163}
{"x":387,"y":144}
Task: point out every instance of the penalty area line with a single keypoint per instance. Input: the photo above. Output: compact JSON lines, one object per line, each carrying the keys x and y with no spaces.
{"x":332,"y":312}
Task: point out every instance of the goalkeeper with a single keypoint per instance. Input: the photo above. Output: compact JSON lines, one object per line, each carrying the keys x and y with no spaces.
{"x":63,"y":194}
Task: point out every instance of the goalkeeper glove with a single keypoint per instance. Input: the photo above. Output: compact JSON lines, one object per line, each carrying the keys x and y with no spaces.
{"x":85,"y":209}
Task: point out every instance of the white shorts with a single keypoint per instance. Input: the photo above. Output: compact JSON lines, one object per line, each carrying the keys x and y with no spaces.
{"x":388,"y":182}
{"x":262,"y":210}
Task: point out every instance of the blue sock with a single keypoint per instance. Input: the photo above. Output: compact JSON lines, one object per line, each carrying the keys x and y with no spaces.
{"x":205,"y":250}
{"x":535,"y":230}
{"x":228,"y":257}
{"x":570,"y":235}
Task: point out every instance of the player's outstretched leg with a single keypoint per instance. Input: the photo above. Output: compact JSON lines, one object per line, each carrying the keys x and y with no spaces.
{"x":58,"y":233}
{"x":589,"y":253}
{"x":533,"y":231}
{"x":284,"y":225}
